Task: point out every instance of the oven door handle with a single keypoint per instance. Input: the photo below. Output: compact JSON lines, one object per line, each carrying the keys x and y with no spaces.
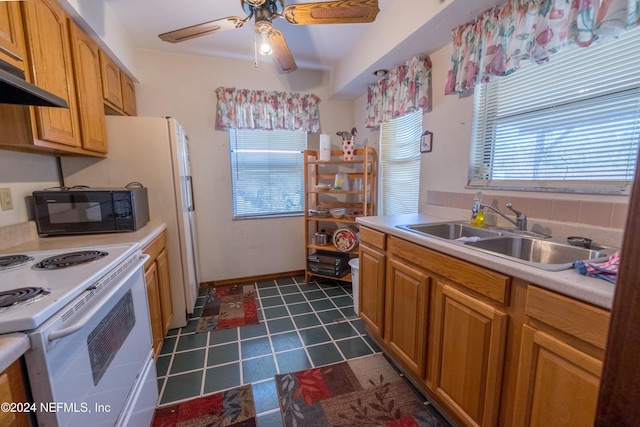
{"x":61,"y":333}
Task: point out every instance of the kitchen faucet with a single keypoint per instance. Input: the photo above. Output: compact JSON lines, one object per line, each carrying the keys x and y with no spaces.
{"x":521,"y":219}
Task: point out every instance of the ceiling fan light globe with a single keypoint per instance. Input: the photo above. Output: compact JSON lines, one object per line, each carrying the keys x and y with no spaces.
{"x":265,"y":47}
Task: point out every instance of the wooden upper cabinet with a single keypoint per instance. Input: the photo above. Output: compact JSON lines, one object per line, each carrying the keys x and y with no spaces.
{"x":51,"y":68}
{"x":12,"y":46}
{"x":128,"y":95}
{"x":111,"y":81}
{"x":86,"y":64}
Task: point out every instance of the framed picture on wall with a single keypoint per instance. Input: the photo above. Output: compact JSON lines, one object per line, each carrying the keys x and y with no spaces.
{"x":426,"y":142}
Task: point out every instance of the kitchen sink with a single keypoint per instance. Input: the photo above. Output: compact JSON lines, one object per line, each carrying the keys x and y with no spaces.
{"x":525,"y":247}
{"x":451,"y":230}
{"x":545,"y":254}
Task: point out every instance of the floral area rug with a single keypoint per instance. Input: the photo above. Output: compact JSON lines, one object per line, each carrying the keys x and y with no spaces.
{"x":228,"y":307}
{"x":361,"y":392}
{"x":232,"y":408}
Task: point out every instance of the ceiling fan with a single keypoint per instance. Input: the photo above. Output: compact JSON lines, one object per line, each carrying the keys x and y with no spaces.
{"x":271,"y":39}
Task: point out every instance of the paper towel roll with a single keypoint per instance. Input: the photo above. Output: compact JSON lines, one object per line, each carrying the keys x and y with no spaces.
{"x":325,"y":147}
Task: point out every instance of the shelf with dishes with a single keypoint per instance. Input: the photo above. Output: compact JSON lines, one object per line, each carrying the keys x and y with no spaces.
{"x":337,"y":192}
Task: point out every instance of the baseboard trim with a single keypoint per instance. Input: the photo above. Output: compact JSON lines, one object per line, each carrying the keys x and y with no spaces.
{"x":250,"y":279}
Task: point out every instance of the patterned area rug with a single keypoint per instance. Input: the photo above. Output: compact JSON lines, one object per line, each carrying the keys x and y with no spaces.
{"x":233,"y":408}
{"x":360,"y":392}
{"x":228,"y":307}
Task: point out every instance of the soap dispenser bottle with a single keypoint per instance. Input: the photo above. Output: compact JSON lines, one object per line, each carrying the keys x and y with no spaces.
{"x":477,"y":213}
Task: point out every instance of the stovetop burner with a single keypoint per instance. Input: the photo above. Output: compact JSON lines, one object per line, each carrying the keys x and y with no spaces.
{"x":69,"y":259}
{"x":13,"y":261}
{"x":21,"y":295}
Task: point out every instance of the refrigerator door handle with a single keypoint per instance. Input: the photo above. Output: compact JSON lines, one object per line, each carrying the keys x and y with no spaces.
{"x":189,"y":182}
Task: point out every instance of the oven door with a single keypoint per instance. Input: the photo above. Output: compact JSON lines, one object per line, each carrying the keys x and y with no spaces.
{"x":74,"y":212}
{"x":83,"y":363}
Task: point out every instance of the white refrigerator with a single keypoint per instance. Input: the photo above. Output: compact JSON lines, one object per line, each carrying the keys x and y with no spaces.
{"x":155,"y":152}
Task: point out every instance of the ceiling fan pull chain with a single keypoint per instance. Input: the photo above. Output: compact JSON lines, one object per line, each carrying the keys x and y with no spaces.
{"x":255,"y":50}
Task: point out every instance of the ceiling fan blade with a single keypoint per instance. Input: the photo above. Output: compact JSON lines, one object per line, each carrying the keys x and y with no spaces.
{"x":332,"y":12}
{"x":281,"y":54}
{"x":202,"y":29}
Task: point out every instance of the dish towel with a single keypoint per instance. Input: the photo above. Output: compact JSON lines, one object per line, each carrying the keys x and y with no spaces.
{"x":607,"y":270}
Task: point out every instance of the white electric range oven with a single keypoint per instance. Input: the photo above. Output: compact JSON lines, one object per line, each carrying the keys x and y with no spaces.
{"x":86,"y":314}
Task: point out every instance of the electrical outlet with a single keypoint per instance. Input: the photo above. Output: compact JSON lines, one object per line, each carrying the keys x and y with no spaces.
{"x":5,"y":199}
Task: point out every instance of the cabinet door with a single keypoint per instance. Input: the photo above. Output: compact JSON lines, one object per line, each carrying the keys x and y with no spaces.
{"x":128,"y":95}
{"x":111,"y":83}
{"x":469,"y":346}
{"x":371,"y":279}
{"x":12,"y":47}
{"x":86,"y":64}
{"x":164,"y":280}
{"x":155,"y":316}
{"x":12,"y":389}
{"x":557,"y":383}
{"x":51,"y":69}
{"x":406,"y":315}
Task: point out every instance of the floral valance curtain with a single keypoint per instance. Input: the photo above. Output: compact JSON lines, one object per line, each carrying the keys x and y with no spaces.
{"x":407,"y":88}
{"x":259,"y":109}
{"x":532,"y":30}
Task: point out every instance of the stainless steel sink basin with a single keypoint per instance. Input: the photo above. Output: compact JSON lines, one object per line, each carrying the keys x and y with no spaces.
{"x":545,"y":254}
{"x":451,"y":230}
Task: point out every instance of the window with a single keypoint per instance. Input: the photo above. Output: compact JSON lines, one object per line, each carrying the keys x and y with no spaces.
{"x":400,"y":164}
{"x":267,"y":172}
{"x":572,"y":124}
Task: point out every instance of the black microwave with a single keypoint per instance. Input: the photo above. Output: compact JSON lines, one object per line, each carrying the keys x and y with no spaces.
{"x":87,"y":210}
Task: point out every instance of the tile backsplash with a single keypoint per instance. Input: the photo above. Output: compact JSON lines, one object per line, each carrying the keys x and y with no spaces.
{"x":601,"y":214}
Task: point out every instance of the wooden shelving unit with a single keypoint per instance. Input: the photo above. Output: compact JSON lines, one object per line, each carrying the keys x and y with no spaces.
{"x":358,"y":202}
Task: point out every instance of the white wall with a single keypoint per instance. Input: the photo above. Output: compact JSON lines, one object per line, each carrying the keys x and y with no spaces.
{"x":183,"y":86}
{"x":24,"y":173}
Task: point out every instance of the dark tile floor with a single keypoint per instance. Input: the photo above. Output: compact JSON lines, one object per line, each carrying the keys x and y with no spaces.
{"x":302,"y":325}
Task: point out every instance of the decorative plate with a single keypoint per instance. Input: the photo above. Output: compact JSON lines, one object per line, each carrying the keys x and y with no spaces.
{"x":345,"y":239}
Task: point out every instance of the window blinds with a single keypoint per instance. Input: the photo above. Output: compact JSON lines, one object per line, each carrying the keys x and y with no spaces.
{"x":572,"y":124}
{"x":400,"y":164}
{"x":267,"y":169}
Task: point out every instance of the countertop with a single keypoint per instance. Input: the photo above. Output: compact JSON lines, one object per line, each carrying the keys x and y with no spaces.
{"x":13,"y":346}
{"x":568,"y":282}
{"x":143,"y":236}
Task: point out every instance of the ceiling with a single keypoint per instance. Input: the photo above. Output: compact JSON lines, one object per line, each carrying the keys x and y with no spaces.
{"x":321,"y":47}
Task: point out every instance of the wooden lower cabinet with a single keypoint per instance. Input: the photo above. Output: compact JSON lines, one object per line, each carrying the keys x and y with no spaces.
{"x":371,"y":280}
{"x":157,"y":278}
{"x":557,"y":383}
{"x":164,"y":283}
{"x":488,"y":349}
{"x":12,"y":389}
{"x":467,"y":355}
{"x":560,"y":361}
{"x":155,"y":316}
{"x":406,"y":315}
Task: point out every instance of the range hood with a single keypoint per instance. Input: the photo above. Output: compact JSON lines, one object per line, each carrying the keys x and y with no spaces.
{"x":14,"y":89}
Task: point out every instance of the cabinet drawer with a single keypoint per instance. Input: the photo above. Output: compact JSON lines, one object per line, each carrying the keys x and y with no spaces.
{"x":154,"y":248}
{"x":584,"y":321}
{"x":373,"y":238}
{"x":486,"y":282}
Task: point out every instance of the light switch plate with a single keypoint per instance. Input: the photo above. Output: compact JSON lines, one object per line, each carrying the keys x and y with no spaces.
{"x":6,"y":202}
